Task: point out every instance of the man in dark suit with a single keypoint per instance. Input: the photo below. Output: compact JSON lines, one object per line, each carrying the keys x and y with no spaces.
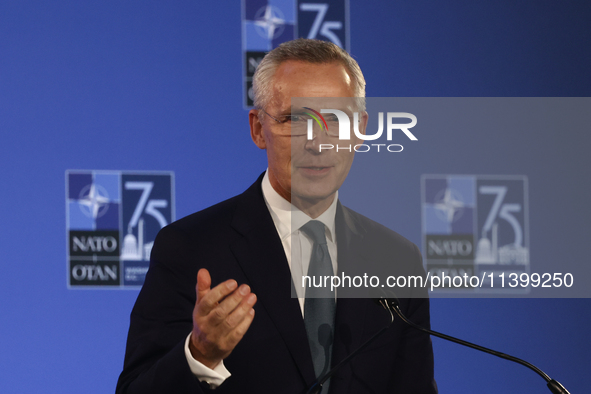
{"x":257,"y":338}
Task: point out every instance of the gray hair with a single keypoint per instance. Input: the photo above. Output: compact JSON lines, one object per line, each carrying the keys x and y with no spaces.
{"x":307,"y":50}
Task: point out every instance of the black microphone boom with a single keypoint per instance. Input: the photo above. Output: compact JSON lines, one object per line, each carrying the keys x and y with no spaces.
{"x":392,"y":305}
{"x":317,"y":387}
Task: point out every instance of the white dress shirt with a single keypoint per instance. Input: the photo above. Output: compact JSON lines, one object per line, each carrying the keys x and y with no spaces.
{"x":298,"y":248}
{"x":297,"y":245}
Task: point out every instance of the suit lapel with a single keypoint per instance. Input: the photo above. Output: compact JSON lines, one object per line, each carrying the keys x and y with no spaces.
{"x":350,"y":314}
{"x":260,"y":253}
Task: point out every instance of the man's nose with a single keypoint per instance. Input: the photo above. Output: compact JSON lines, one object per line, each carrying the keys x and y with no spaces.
{"x":319,"y":136}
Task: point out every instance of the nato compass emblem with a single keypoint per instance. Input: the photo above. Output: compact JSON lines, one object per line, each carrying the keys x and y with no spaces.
{"x":112,"y":219}
{"x":474,"y":224}
{"x":268,"y":23}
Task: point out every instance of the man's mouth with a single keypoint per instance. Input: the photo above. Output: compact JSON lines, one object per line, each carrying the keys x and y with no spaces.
{"x":314,"y":170}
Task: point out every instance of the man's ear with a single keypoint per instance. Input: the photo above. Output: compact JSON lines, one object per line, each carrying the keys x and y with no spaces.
{"x":256,"y":129}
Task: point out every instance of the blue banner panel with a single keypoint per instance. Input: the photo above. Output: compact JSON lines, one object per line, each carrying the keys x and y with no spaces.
{"x":268,"y":23}
{"x":475,"y":225}
{"x":112,"y":218}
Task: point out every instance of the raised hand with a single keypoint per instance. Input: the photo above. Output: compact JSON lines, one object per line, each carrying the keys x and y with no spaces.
{"x":221,"y":317}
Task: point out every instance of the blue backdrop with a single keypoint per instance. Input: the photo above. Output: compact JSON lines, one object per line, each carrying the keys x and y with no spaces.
{"x":155,"y":85}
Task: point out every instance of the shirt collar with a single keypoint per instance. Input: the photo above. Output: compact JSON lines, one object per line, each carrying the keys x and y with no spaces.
{"x":288,"y":218}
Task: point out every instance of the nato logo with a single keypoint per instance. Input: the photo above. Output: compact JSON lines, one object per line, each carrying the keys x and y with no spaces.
{"x":268,"y":23}
{"x":112,"y":218}
{"x":475,"y":224}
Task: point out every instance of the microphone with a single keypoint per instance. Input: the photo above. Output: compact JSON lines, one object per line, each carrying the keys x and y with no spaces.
{"x":317,"y":387}
{"x":392,"y":304}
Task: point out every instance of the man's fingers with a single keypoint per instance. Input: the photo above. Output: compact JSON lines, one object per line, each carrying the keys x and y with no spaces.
{"x":225,"y":308}
{"x":212,"y":297}
{"x":234,"y":319}
{"x":237,"y":333}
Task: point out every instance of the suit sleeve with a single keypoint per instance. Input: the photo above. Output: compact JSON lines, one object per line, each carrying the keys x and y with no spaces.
{"x":155,"y":360}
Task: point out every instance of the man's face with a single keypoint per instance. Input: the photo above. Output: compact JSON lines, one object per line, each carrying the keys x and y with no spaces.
{"x":298,"y":171}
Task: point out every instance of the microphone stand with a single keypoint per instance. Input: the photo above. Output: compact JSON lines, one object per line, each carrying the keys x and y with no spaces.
{"x":392,"y":305}
{"x":317,"y":387}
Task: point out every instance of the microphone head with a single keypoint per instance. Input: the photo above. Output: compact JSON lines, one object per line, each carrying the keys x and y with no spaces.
{"x":388,"y":300}
{"x":393,"y":302}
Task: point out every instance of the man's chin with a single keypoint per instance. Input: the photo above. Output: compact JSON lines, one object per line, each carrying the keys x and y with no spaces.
{"x":307,"y":198}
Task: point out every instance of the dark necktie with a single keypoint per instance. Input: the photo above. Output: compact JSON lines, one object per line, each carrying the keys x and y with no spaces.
{"x":319,"y":307}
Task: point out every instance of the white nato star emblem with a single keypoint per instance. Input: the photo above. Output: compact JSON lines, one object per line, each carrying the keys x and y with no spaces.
{"x":449,"y":204}
{"x":94,"y":201}
{"x":270,"y":22}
